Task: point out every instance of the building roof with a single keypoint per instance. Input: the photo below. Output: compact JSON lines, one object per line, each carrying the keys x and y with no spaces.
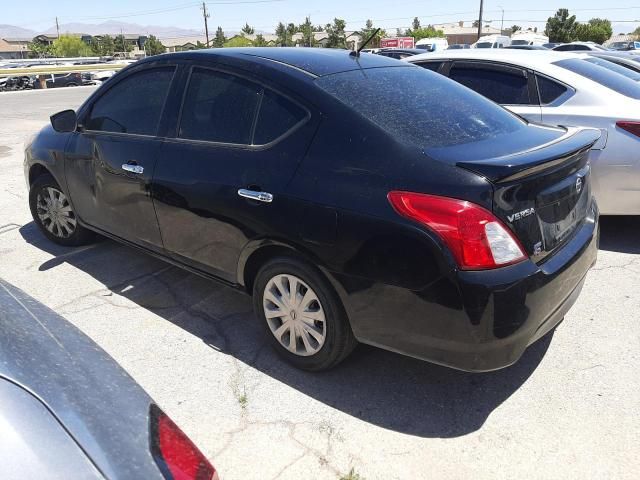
{"x":316,"y":61}
{"x":7,"y":47}
{"x":459,"y":28}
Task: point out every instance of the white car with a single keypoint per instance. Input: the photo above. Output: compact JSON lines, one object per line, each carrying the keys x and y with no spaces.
{"x":529,"y":38}
{"x":579,"y":47}
{"x":492,"y":41}
{"x":563,"y":89}
{"x":435,"y":44}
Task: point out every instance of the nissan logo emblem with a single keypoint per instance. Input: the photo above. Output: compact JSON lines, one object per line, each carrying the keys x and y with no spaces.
{"x":579,"y":184}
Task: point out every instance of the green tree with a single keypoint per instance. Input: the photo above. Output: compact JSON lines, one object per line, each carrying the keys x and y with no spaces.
{"x":475,"y":23}
{"x":219,"y":40}
{"x":281,"y":34}
{"x":103,"y":46}
{"x":425,"y":32}
{"x":368,"y":30}
{"x":259,"y":41}
{"x":153,"y":46}
{"x":291,"y":31}
{"x":238,"y":41}
{"x":248,"y":29}
{"x":561,"y":27}
{"x":596,"y":30}
{"x":121,"y":45}
{"x":70,"y":46}
{"x":336,"y":37}
{"x":39,"y":49}
{"x":415,"y":25}
{"x":306,"y":28}
{"x":636,"y":33}
{"x":515,"y":28}
{"x":200,"y":45}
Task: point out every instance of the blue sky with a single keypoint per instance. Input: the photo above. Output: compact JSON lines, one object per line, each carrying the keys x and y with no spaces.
{"x":265,"y":14}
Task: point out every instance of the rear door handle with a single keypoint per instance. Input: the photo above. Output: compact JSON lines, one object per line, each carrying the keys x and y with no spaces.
{"x":132,"y":168}
{"x":253,"y":195}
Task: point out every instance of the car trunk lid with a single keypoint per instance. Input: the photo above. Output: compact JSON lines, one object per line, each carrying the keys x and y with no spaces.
{"x":543,"y":194}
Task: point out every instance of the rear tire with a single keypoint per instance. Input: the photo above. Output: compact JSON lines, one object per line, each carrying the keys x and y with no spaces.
{"x":52,"y":212}
{"x":302,"y":315}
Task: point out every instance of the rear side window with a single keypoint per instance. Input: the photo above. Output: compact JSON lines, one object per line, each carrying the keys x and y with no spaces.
{"x":133,"y":105}
{"x":219,"y":107}
{"x":277,"y":116}
{"x":502,"y":86}
{"x":433,"y":66}
{"x":420,"y":107}
{"x":604,"y":76}
{"x":549,"y":90}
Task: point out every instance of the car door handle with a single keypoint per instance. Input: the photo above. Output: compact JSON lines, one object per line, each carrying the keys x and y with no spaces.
{"x":253,"y":195}
{"x":133,"y":168}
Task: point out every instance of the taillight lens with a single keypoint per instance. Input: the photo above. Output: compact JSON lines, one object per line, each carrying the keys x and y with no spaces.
{"x":175,"y":454}
{"x":476,"y":238}
{"x":631,"y":127}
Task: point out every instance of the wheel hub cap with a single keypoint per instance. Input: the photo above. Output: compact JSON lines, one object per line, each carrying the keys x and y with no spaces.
{"x":54,"y":212}
{"x":294,"y":315}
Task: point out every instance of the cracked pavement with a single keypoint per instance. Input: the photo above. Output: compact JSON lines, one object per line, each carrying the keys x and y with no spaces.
{"x":569,"y":409}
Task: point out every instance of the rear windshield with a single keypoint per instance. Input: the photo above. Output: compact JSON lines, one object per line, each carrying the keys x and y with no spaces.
{"x":484,"y":45}
{"x":519,"y":42}
{"x":602,"y":62}
{"x":420,"y":107}
{"x":603,"y":76}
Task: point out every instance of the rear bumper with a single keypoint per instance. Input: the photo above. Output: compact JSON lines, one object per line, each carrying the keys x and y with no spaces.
{"x":481,"y":320}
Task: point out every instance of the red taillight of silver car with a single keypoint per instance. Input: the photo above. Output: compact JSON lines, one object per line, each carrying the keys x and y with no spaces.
{"x":176,"y":455}
{"x":475,"y":237}
{"x":631,"y":127}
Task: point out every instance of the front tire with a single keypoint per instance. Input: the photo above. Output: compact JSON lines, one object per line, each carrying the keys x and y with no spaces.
{"x":302,"y":315}
{"x":54,"y":215}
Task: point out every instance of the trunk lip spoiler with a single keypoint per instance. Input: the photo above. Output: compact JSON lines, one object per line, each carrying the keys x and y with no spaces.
{"x":578,"y":139}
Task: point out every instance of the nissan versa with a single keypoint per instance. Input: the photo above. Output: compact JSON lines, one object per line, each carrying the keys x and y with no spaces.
{"x":356,"y":198}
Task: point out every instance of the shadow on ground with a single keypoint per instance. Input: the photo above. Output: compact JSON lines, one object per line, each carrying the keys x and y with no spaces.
{"x":620,"y":234}
{"x":379,"y":387}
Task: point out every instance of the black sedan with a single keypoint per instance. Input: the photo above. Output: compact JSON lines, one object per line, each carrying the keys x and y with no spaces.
{"x":356,"y":198}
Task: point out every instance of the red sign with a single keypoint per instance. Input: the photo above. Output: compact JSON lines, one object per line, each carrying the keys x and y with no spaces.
{"x":397,"y":42}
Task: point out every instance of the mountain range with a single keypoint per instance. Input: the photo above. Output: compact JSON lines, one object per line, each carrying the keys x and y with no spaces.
{"x":110,"y":27}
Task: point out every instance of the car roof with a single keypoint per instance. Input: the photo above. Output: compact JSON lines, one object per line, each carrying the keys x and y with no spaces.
{"x":525,"y":58}
{"x":314,"y":61}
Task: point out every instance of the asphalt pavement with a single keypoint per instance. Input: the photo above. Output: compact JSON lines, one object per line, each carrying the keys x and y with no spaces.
{"x":570,"y":408}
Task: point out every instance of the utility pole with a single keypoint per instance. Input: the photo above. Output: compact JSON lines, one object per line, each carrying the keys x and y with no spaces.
{"x":205,"y":14}
{"x":57,"y":27}
{"x":480,"y":19}
{"x":502,"y":20}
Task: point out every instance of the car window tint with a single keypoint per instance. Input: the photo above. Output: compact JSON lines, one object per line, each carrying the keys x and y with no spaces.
{"x":604,"y":76}
{"x":433,"y":66}
{"x":219,"y":107}
{"x":420,"y":107}
{"x":500,"y":86}
{"x":277,"y":116}
{"x":549,"y":90}
{"x":133,"y":105}
{"x":614,"y":67}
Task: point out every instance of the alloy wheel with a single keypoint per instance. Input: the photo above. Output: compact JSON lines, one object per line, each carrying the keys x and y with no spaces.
{"x":55,"y":213}
{"x":294,"y":315}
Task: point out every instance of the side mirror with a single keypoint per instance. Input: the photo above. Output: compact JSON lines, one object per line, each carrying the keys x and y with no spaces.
{"x":65,"y":121}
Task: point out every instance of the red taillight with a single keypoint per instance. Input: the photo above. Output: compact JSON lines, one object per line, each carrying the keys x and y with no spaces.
{"x":476,"y":238}
{"x":631,"y":127}
{"x":175,"y":454}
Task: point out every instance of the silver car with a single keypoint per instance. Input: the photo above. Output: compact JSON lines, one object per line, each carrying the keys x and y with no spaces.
{"x":69,"y":411}
{"x":564,"y":89}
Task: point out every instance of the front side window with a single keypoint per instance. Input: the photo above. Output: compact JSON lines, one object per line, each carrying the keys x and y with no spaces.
{"x":133,"y":105}
{"x":505,"y":87}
